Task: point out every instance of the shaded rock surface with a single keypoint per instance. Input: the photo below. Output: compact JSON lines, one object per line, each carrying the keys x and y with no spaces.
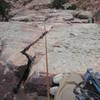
{"x":38,"y":84}
{"x":7,"y":83}
{"x":40,"y":15}
{"x":83,"y":14}
{"x":54,"y":16}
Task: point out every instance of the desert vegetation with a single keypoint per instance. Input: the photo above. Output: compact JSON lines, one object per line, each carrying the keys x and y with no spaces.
{"x":58,"y":3}
{"x":4,"y":10}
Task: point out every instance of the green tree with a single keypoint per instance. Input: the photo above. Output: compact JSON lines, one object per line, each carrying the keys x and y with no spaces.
{"x":58,"y":4}
{"x":4,"y":10}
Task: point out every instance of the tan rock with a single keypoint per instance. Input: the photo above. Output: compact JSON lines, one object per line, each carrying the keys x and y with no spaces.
{"x":18,"y":59}
{"x":83,"y":14}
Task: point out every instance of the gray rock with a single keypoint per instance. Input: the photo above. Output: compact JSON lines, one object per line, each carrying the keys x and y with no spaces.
{"x":68,"y":53}
{"x":83,"y":14}
{"x":7,"y":83}
{"x":16,"y":37}
{"x":29,"y":18}
{"x":51,"y":15}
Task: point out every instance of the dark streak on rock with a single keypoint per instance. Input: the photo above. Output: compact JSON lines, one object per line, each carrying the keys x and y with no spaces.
{"x":29,"y":63}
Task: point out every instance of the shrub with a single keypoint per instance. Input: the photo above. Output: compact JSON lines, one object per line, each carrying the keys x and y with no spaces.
{"x":58,"y":4}
{"x":4,"y":10}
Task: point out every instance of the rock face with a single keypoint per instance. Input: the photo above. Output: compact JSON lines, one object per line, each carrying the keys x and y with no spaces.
{"x":53,"y":16}
{"x":38,"y":84}
{"x":70,"y":48}
{"x":7,"y":83}
{"x":27,"y":3}
{"x":14,"y":42}
{"x":83,"y":14}
{"x":97,"y":17}
{"x":40,"y":15}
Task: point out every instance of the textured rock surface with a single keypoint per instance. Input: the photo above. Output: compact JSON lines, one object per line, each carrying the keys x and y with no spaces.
{"x":53,"y":16}
{"x":83,"y":14}
{"x":14,"y":42}
{"x":73,"y":47}
{"x":7,"y":83}
{"x":16,"y":37}
{"x":40,"y":15}
{"x":38,"y":84}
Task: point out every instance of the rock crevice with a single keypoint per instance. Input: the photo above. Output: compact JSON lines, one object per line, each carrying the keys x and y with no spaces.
{"x":29,"y":63}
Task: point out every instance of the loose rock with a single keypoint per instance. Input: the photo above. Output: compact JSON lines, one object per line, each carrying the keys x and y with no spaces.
{"x":83,"y":15}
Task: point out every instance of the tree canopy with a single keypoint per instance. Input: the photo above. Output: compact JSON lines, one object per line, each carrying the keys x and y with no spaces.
{"x":4,"y":10}
{"x":58,"y":3}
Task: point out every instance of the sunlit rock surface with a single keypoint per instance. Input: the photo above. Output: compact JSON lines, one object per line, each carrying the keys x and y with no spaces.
{"x":71,"y":47}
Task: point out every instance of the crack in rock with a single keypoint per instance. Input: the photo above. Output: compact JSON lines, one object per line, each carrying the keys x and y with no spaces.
{"x":29,"y":63}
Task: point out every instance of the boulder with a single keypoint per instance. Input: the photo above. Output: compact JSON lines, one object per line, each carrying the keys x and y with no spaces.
{"x":83,"y":15}
{"x":77,"y":20}
{"x":29,"y":18}
{"x":18,"y":59}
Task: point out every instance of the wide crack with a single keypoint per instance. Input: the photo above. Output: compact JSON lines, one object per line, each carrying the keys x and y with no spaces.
{"x":29,"y":63}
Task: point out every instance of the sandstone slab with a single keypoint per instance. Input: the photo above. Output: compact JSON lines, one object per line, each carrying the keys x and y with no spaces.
{"x":16,"y":37}
{"x":71,"y":48}
{"x":83,"y":14}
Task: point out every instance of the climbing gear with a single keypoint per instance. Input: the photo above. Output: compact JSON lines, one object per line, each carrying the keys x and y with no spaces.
{"x":47,"y":72}
{"x":89,"y":88}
